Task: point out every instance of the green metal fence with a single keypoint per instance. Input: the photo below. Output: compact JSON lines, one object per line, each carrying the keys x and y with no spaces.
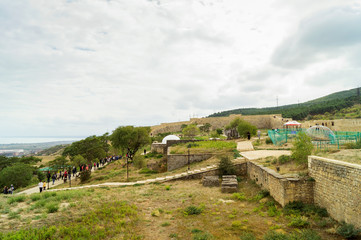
{"x":281,"y":136}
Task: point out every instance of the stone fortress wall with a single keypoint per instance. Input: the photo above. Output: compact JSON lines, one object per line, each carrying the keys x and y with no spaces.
{"x":260,"y":121}
{"x":337,"y":188}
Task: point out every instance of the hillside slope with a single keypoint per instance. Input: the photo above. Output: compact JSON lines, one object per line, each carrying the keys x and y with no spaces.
{"x":327,"y":104}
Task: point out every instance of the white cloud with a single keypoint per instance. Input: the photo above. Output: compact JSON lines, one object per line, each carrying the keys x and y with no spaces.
{"x":85,"y":67}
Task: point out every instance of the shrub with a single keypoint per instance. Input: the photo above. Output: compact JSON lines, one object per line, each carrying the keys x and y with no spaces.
{"x":247,"y":236}
{"x":272,"y":211}
{"x":239,"y":196}
{"x":226,"y":167}
{"x":52,"y":207}
{"x":307,"y":234}
{"x":348,"y":231}
{"x":299,"y":221}
{"x":297,"y":208}
{"x":269,"y":140}
{"x":272,"y":235}
{"x":85,"y":176}
{"x":236,"y":224}
{"x":167,"y":187}
{"x":193,"y":210}
{"x":16,"y":199}
{"x":139,"y":162}
{"x":284,"y":159}
{"x":35,"y":197}
{"x":165,"y":224}
{"x":261,"y":194}
{"x":302,"y":148}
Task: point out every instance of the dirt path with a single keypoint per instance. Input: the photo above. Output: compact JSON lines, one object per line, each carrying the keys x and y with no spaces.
{"x":245,"y":146}
{"x":57,"y":182}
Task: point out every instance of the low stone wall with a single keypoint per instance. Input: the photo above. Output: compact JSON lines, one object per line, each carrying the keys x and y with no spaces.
{"x":281,"y":188}
{"x":337,"y":188}
{"x":175,"y":161}
{"x":159,"y":148}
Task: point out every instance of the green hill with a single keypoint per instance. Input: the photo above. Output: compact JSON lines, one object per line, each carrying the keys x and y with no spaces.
{"x":331,"y":104}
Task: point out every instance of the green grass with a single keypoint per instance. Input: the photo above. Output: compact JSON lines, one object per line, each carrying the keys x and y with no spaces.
{"x":107,"y":221}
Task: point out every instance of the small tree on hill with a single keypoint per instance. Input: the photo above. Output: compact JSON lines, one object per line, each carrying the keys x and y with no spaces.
{"x":245,"y":127}
{"x":18,"y":174}
{"x":302,"y":148}
{"x":191,"y":131}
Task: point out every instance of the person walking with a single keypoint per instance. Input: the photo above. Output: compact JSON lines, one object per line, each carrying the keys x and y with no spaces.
{"x":5,"y":191}
{"x":249,"y":135}
{"x":53,"y":178}
{"x":11,"y":189}
{"x":40,"y":186}
{"x":44,"y":186}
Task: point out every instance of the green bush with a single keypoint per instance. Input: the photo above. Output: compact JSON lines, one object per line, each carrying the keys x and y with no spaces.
{"x":272,"y":235}
{"x":35,"y":197}
{"x":306,"y":234}
{"x":299,"y":221}
{"x":52,"y":207}
{"x":302,"y":148}
{"x":20,"y":198}
{"x":247,"y":236}
{"x":226,"y":167}
{"x":193,"y":210}
{"x":85,"y":176}
{"x":284,"y":159}
{"x":298,"y":208}
{"x":239,"y":196}
{"x":269,"y":140}
{"x":348,"y":231}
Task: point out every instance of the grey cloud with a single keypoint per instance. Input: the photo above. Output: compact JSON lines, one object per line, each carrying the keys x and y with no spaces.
{"x":325,"y":35}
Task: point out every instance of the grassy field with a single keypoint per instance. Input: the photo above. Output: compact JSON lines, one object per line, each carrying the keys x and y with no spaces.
{"x":174,"y":210}
{"x":204,"y":147}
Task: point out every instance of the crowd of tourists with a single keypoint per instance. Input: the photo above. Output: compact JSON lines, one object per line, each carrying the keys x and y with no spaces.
{"x":66,"y":174}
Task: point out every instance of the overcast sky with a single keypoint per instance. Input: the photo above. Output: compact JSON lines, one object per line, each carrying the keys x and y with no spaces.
{"x":78,"y":68}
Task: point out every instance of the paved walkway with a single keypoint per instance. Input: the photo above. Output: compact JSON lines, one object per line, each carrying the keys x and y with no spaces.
{"x":57,"y":182}
{"x":245,"y":146}
{"x":253,"y":155}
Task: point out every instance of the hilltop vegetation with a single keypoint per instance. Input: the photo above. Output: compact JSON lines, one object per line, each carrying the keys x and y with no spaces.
{"x":332,"y":104}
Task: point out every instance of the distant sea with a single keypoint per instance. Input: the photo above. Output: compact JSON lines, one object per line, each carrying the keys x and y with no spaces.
{"x":15,"y":140}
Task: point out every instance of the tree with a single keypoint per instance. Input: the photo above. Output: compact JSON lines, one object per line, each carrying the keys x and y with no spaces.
{"x":90,"y":148}
{"x":231,"y":128}
{"x":191,"y":131}
{"x":205,"y":128}
{"x":302,"y":148}
{"x":18,"y":174}
{"x":130,"y":139}
{"x":7,"y":162}
{"x":244,"y":128}
{"x":59,"y":162}
{"x":78,"y":160}
{"x":226,"y":166}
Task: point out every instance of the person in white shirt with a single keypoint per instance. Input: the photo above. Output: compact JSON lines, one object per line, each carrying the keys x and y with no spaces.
{"x":40,"y":186}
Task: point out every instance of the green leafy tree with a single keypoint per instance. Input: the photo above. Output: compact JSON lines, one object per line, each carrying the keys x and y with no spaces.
{"x":78,"y":160}
{"x":7,"y":162}
{"x":90,"y":148}
{"x":205,"y":128}
{"x":59,"y":162}
{"x":191,"y":131}
{"x":19,"y":175}
{"x":219,"y":131}
{"x":130,"y":139}
{"x":231,"y":129}
{"x":226,"y":167}
{"x":302,"y":148}
{"x":245,"y":127}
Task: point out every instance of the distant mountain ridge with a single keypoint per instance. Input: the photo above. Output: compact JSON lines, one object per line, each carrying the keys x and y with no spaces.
{"x":328,"y":104}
